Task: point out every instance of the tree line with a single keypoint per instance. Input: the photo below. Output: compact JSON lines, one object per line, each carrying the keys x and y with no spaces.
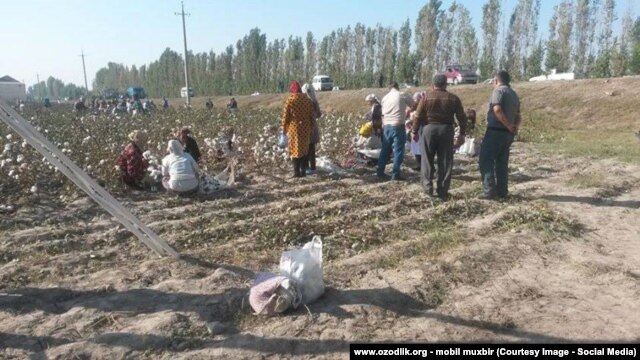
{"x":580,"y":38}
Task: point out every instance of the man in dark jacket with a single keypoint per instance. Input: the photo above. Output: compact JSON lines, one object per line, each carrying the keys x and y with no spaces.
{"x":436,"y":112}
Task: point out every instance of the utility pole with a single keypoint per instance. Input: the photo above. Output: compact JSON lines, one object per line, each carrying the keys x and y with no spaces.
{"x":84,"y":69}
{"x":39,"y":91}
{"x":186,"y":66}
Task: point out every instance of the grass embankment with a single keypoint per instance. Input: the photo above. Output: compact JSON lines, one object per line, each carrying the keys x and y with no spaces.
{"x":593,"y":118}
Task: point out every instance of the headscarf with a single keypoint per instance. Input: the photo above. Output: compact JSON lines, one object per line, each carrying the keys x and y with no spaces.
{"x":138,"y":136}
{"x":372,"y":97}
{"x":418,"y":96}
{"x":175,"y":148}
{"x":294,"y":87}
{"x":311,"y":93}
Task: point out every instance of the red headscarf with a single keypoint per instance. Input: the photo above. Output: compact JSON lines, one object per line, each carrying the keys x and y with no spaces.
{"x":294,"y":87}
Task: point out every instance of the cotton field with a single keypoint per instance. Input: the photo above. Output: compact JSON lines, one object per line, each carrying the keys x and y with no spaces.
{"x":94,"y":141}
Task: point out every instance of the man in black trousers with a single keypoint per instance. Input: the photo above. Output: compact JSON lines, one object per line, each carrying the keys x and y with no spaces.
{"x":436,"y":112}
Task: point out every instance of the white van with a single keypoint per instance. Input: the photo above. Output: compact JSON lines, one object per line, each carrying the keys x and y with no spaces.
{"x":183,"y":92}
{"x":322,"y":83}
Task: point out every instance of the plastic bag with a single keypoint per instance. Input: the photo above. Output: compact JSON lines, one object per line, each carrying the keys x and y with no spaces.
{"x":470,"y":147}
{"x":283,"y":140}
{"x":304,"y":268}
{"x":208,"y":184}
{"x":272,"y":294}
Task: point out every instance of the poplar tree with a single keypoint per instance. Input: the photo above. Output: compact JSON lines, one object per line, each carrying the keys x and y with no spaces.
{"x":491,"y":14}
{"x":427,"y":34}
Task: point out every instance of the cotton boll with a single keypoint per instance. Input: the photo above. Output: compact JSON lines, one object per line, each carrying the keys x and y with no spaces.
{"x":34,"y":189}
{"x":9,"y":136}
{"x":20,"y":158}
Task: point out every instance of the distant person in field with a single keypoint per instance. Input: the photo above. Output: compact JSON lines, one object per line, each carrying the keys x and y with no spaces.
{"x":394,"y":110}
{"x":415,"y":144}
{"x":179,"y":169}
{"x":367,"y":144}
{"x":165,"y":103}
{"x":437,"y":113}
{"x":471,"y":121}
{"x":503,"y":122}
{"x":47,"y":103}
{"x":209,"y":104}
{"x":131,"y":162}
{"x":79,"y":105}
{"x":297,"y":123}
{"x":374,"y":114}
{"x":232,"y":105}
{"x":189,"y":144}
{"x":315,"y":131}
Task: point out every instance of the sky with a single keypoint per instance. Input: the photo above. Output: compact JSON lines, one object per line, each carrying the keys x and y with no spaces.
{"x":46,"y":37}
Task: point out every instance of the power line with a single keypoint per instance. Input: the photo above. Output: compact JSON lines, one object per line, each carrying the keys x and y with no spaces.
{"x":186,"y":66}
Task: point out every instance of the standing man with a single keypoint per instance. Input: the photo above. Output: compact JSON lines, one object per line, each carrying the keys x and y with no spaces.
{"x":436,"y":113}
{"x":503,"y":121}
{"x":394,"y":110}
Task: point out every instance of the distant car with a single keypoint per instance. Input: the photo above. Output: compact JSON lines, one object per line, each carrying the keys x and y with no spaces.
{"x":183,"y":92}
{"x":460,"y":74}
{"x":322,"y":83}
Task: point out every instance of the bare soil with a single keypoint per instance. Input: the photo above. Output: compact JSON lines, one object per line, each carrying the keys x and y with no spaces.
{"x":559,"y":261}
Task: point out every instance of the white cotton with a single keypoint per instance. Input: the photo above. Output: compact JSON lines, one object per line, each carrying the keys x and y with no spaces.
{"x":20,"y":158}
{"x":9,"y":136}
{"x":34,"y":189}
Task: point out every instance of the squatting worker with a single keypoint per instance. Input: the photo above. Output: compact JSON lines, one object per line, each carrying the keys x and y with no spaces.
{"x":179,"y":169}
{"x":189,"y":144}
{"x":503,"y":121}
{"x":132,"y":164}
{"x":436,"y":112}
{"x":297,"y":123}
{"x":394,"y":110}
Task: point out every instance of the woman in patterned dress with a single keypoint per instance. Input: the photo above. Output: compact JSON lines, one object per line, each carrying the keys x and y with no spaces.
{"x":132,"y":164}
{"x":297,"y":123}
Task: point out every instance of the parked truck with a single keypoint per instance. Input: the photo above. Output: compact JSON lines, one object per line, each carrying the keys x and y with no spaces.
{"x":137,"y":92}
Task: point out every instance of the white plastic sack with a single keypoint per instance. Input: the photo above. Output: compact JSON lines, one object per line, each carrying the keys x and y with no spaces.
{"x":470,"y":147}
{"x":283,"y":140}
{"x":304,"y":268}
{"x":325,"y":164}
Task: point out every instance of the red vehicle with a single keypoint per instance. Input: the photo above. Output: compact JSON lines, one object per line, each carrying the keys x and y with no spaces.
{"x":460,"y":74}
